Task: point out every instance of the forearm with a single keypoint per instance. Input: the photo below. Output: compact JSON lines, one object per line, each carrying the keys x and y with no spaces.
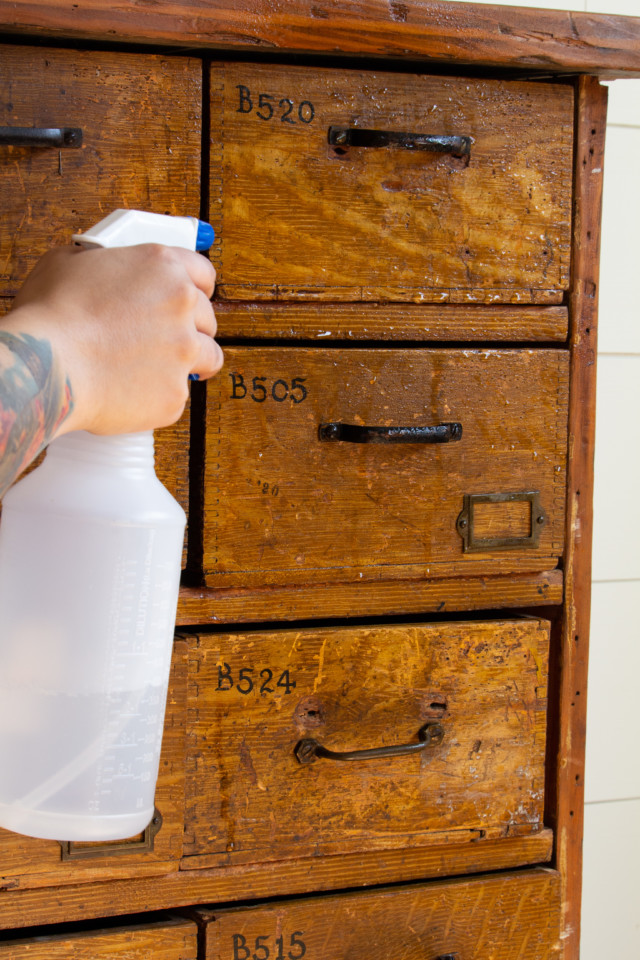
{"x":35,"y":399}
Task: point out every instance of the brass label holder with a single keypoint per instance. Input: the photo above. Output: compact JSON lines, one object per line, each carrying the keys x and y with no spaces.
{"x":72,"y":850}
{"x":465,"y":522}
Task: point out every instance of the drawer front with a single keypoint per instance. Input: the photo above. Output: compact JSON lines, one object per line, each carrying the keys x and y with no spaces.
{"x":284,"y":506}
{"x":299,"y":217}
{"x":513,"y":918}
{"x":140,"y":118}
{"x":466,"y":701}
{"x":168,"y":940}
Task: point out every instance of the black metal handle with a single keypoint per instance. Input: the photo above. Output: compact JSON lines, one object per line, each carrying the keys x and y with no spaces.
{"x":354,"y":433}
{"x":308,"y":749}
{"x":41,"y":136}
{"x":343,"y":137}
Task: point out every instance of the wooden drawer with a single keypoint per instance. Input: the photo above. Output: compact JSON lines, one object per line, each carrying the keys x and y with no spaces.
{"x":513,"y":917}
{"x":140,"y":118}
{"x":469,"y":699}
{"x":299,"y":217}
{"x":283,"y":506}
{"x":171,"y":939}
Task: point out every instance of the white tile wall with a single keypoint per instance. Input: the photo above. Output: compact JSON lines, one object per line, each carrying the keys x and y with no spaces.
{"x":624,"y":101}
{"x":619,"y":272}
{"x":611,"y":898}
{"x":613,"y":769}
{"x":616,"y":522}
{"x":625,"y":8}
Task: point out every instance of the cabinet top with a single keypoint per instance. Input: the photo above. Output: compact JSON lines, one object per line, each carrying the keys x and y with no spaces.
{"x":463,"y":35}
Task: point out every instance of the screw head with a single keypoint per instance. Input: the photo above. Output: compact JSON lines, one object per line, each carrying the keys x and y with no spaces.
{"x":340,"y":137}
{"x":329,"y":431}
{"x":306,"y":751}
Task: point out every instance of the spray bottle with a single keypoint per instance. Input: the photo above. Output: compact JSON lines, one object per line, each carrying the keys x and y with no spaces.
{"x":90,"y":557}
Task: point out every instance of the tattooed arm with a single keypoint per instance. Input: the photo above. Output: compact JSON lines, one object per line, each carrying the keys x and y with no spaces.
{"x":34,"y":401}
{"x":102,"y":340}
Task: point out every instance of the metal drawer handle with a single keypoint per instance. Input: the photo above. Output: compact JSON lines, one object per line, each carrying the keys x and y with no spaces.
{"x":41,"y":136}
{"x":354,"y":433}
{"x":308,"y":749}
{"x":433,"y":143}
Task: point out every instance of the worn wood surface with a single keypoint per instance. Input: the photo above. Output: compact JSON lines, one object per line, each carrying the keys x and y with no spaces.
{"x":208,"y":605}
{"x":283,"y":507}
{"x":516,"y":918}
{"x":298,"y":219}
{"x":254,"y":696}
{"x":173,"y":939}
{"x":141,"y":120}
{"x":568,"y":802}
{"x":457,"y":34}
{"x":391,"y":321}
{"x":26,"y":862}
{"x":24,"y":908}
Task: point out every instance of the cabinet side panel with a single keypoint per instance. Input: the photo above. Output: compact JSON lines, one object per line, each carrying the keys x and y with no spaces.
{"x":567,"y":809}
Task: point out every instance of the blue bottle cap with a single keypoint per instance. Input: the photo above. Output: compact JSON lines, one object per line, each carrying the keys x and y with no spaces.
{"x":205,"y":235}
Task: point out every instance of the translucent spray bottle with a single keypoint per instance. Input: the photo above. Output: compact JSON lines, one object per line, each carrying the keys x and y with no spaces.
{"x":90,"y":557}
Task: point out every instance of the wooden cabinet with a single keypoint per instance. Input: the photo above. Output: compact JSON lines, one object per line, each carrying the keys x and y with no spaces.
{"x":388,"y":484}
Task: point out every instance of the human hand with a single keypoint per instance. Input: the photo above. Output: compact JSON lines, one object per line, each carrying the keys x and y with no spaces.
{"x":126,"y":326}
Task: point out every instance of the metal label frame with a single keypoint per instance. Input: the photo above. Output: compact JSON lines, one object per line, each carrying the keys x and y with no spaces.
{"x":70,"y":850}
{"x":471,"y":543}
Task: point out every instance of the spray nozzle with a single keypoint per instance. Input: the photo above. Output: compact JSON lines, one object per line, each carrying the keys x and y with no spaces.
{"x":125,"y":228}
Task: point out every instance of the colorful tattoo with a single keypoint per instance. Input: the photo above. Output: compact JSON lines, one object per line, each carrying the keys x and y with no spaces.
{"x":34,"y":400}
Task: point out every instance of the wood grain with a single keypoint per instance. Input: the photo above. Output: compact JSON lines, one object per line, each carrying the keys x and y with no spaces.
{"x":282,"y":507}
{"x":254,"y":696}
{"x":568,"y":803}
{"x":297,"y":219}
{"x":169,"y":940}
{"x":23,"y":908}
{"x":458,"y":34}
{"x":141,"y":119}
{"x":519,"y":915}
{"x":237,"y":605}
{"x":391,"y":321}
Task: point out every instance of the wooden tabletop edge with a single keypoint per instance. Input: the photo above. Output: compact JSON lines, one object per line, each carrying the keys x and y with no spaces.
{"x":476,"y":35}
